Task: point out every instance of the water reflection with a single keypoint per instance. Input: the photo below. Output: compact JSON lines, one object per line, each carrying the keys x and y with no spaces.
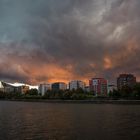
{"x":22,"y":120}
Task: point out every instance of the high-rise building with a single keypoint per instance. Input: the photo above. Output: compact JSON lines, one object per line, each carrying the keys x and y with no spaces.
{"x":59,"y":86}
{"x":126,"y":80}
{"x":43,"y":88}
{"x":76,"y":84}
{"x":98,"y":86}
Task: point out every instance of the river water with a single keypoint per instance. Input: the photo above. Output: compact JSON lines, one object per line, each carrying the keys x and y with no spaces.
{"x":61,"y":121}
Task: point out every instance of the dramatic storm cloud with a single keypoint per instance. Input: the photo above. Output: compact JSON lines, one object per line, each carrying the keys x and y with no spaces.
{"x":61,"y":40}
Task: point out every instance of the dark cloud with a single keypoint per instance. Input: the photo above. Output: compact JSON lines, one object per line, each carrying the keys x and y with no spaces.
{"x":47,"y":40}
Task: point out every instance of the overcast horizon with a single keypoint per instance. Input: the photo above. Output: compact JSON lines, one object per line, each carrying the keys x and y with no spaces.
{"x":62,"y":40}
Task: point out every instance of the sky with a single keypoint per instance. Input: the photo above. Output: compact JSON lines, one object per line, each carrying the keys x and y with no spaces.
{"x":62,"y":40}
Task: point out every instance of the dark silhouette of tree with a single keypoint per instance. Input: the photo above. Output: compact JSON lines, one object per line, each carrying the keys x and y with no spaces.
{"x":32,"y":92}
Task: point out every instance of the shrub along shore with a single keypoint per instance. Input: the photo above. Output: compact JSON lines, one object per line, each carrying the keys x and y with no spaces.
{"x":125,"y":95}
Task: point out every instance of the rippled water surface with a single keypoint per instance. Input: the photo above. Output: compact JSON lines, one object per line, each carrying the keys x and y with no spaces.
{"x":59,"y":121}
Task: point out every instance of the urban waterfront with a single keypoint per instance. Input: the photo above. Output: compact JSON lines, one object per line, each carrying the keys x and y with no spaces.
{"x":63,"y":121}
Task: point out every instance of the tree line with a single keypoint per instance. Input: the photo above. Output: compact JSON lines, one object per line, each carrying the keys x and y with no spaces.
{"x":126,"y":92}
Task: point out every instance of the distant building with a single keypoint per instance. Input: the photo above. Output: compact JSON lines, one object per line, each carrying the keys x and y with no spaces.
{"x":126,"y":80}
{"x":98,"y":86}
{"x":87,"y":89}
{"x":23,"y":89}
{"x":1,"y":86}
{"x":59,"y":86}
{"x":111,"y":88}
{"x":76,"y":84}
{"x":7,"y":88}
{"x":11,"y":88}
{"x":43,"y":88}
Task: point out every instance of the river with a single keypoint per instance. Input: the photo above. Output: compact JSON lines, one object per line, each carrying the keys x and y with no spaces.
{"x":68,"y":121}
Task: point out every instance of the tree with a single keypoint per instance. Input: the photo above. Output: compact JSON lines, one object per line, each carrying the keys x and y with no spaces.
{"x":115,"y":93}
{"x":126,"y":91}
{"x":79,"y":91}
{"x":67,"y":94}
{"x":136,"y":90}
{"x":32,"y":92}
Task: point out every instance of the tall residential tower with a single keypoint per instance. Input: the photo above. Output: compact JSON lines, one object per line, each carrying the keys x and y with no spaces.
{"x":76,"y":84}
{"x":98,"y":86}
{"x":126,"y":80}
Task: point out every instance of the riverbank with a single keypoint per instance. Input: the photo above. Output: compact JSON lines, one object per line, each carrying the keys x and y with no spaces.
{"x":120,"y":101}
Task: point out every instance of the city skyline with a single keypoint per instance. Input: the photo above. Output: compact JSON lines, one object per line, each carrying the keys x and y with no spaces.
{"x":79,"y":83}
{"x":46,"y":41}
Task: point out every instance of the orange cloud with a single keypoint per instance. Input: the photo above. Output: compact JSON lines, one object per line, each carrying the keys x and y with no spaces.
{"x":49,"y":73}
{"x":107,"y":63}
{"x":53,"y":73}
